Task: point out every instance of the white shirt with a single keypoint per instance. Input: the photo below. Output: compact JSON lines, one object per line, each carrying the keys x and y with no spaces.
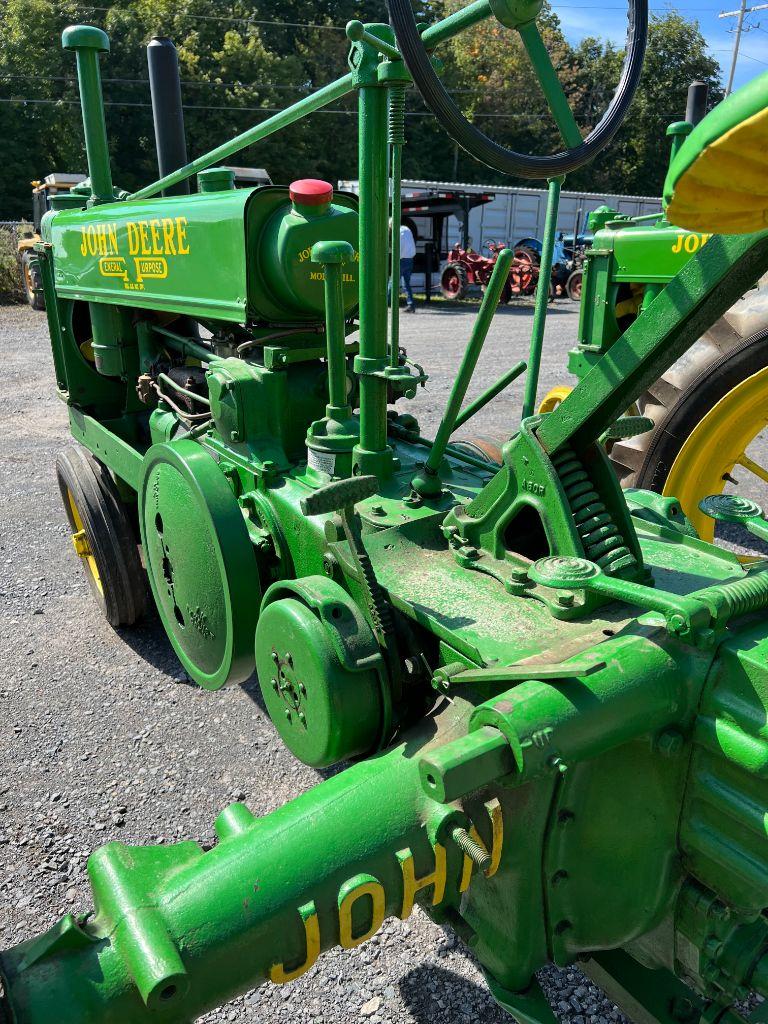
{"x":407,"y":244}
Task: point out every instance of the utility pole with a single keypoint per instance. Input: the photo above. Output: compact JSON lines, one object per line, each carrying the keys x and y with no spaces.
{"x":740,"y":14}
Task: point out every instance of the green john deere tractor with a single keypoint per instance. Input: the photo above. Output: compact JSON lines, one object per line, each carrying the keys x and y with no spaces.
{"x":549,"y":693}
{"x":701,"y":417}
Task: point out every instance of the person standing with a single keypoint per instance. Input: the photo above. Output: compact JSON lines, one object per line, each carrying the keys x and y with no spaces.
{"x":407,"y":253}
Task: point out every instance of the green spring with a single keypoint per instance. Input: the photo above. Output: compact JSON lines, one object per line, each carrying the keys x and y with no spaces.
{"x":603,"y":543}
{"x":396,"y":115}
{"x":742,"y":596}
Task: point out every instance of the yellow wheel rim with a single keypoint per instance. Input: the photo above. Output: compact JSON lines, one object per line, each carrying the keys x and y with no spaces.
{"x":557,"y":395}
{"x":81,"y":544}
{"x":718,"y":444}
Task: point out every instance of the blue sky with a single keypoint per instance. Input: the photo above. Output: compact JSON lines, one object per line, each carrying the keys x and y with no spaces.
{"x":609,"y":21}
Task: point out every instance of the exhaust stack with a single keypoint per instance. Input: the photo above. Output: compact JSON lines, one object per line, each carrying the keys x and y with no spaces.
{"x":167,"y":110}
{"x":696,"y":106}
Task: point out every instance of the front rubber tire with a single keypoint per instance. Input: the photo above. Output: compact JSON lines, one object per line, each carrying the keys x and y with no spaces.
{"x":110,"y":554}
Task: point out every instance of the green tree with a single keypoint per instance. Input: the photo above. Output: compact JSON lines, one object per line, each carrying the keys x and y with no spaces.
{"x":490,"y":77}
{"x":242,"y":61}
{"x":237,"y":68}
{"x":637,"y":160}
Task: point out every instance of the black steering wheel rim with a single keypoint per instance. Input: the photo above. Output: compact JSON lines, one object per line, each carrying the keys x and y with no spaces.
{"x":476,"y":143}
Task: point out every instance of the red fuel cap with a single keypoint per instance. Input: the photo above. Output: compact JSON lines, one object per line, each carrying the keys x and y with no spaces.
{"x":311,"y":192}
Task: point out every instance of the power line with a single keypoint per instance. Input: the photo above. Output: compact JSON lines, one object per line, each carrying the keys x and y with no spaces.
{"x":230,"y":20}
{"x":747,"y":55}
{"x":603,"y":7}
{"x":531,"y":118}
{"x":342,"y":28}
{"x":234,"y":109}
{"x":742,"y":12}
{"x":187,"y":82}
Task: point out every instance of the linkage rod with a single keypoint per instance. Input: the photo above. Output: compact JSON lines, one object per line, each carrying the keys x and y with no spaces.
{"x":321,"y":98}
{"x":396,"y":165}
{"x":185,"y":346}
{"x":542,"y":298}
{"x":490,"y":393}
{"x":469,"y":362}
{"x":374,"y":267}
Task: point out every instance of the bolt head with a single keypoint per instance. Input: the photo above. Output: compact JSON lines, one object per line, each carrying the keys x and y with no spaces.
{"x":676,"y":624}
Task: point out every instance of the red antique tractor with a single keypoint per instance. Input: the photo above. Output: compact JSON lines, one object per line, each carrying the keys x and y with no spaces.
{"x":466,"y":267}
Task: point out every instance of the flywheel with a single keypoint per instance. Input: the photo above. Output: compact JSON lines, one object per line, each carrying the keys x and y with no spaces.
{"x":200,"y":562}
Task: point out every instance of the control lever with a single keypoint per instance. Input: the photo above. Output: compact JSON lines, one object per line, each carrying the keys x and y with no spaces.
{"x":341,"y":496}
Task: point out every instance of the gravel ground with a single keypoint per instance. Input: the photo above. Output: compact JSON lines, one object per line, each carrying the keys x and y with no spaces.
{"x":102,"y":737}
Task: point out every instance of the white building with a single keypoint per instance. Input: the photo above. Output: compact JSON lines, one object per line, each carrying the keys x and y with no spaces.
{"x":515,"y":213}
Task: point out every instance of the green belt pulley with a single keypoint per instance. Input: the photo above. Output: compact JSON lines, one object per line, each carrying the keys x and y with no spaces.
{"x":321,"y":672}
{"x":200,"y":562}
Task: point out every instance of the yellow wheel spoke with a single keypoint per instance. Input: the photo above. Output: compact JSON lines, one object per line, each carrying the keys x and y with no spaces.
{"x":753,"y":467}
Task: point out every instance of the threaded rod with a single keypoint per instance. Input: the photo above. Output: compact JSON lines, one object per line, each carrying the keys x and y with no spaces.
{"x":473,"y":850}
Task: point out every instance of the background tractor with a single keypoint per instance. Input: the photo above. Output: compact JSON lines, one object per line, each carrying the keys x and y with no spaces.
{"x":709,"y":407}
{"x":465,"y":268}
{"x":42,"y":191}
{"x":549,"y":693}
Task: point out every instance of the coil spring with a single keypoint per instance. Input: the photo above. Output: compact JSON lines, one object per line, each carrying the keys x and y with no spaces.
{"x":603,"y":543}
{"x":741,"y":597}
{"x":396,"y":115}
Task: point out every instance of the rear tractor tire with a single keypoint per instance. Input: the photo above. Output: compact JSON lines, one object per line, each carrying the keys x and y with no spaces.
{"x":707,"y":409}
{"x":454,"y":281}
{"x":573,"y":285}
{"x":528,"y":255}
{"x":102,"y":536}
{"x":32,"y":281}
